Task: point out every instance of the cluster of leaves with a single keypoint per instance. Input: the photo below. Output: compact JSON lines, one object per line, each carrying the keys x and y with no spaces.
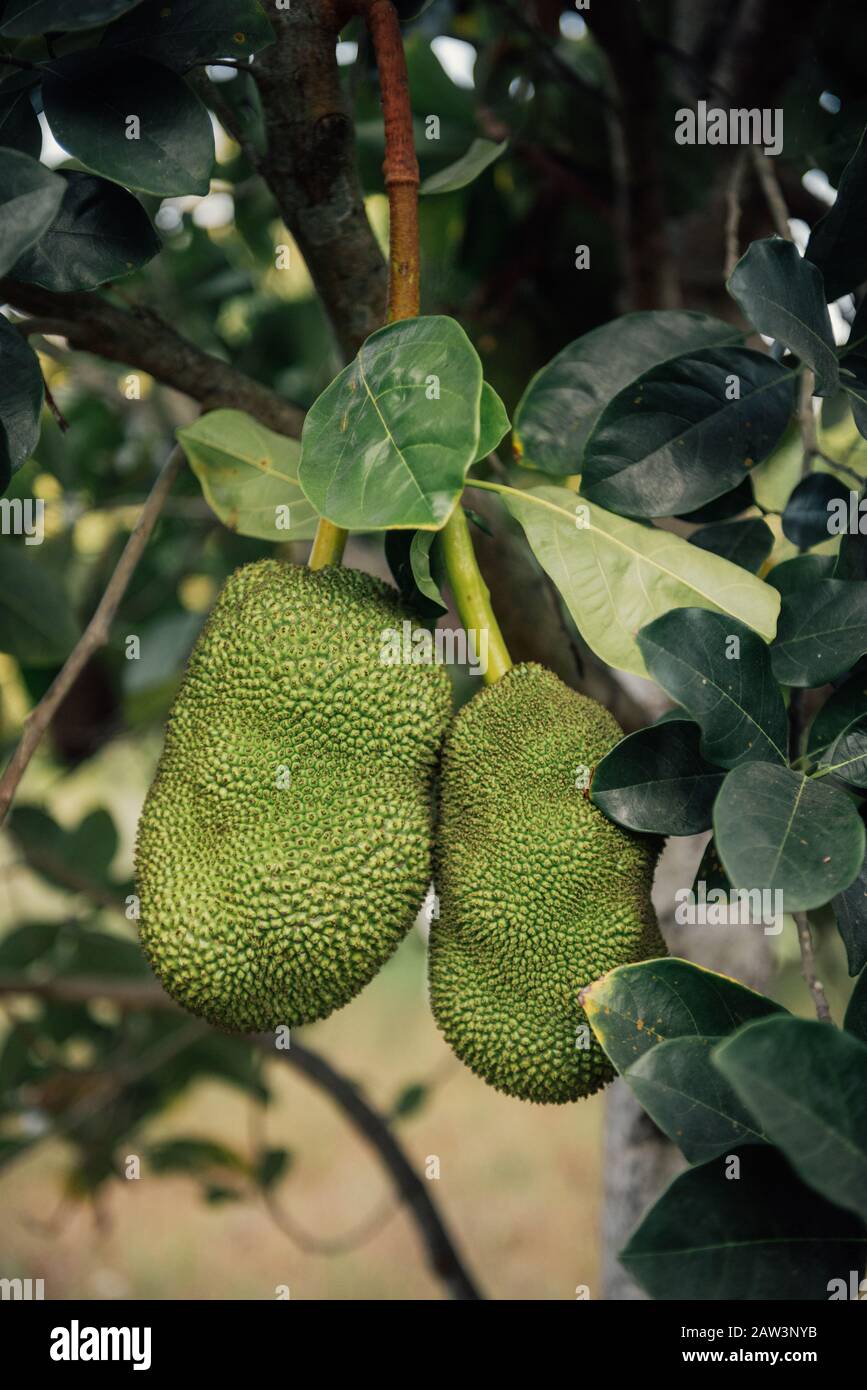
{"x":770,"y":1112}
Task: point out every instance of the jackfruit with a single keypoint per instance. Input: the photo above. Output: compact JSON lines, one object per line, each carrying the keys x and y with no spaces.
{"x":284,"y":848}
{"x":539,"y":894}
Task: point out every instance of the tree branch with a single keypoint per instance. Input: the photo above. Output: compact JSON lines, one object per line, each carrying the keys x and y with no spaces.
{"x":412,"y":1190}
{"x":95,"y":635}
{"x":142,"y":339}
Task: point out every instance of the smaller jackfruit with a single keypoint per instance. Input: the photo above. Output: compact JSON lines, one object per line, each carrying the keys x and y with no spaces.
{"x":284,"y":848}
{"x":539,"y":893}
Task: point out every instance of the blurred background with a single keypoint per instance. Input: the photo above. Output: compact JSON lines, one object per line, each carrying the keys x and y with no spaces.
{"x":250,"y":1175}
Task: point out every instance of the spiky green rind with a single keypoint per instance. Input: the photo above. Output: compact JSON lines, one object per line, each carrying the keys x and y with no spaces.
{"x":285,"y":844}
{"x":539,"y":893}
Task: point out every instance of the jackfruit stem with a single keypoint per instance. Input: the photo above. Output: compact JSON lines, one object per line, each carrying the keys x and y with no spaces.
{"x":470,"y":593}
{"x":328,"y":545}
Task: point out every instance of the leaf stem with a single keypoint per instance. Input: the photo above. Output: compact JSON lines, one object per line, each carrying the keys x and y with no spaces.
{"x":472,"y":599}
{"x":328,"y":545}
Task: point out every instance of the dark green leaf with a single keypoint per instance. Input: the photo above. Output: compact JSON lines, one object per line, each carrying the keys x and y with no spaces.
{"x":801,"y":572}
{"x":710,"y":874}
{"x":821,"y":633}
{"x":411,"y":1099}
{"x":89,"y":100}
{"x":759,"y":1235}
{"x":636,"y":1007}
{"x":24,"y":945}
{"x":855,"y":1021}
{"x":272,"y":1165}
{"x":493,"y":422}
{"x":836,"y":244}
{"x":21,"y":396}
{"x":847,"y":755}
{"x":845,"y":706}
{"x":249,"y":475}
{"x":850,"y":914}
{"x":745,"y":543}
{"x":656,"y":780}
{"x":389,"y":441}
{"x":19,"y":123}
{"x":410,"y":565}
{"x":805,"y":1083}
{"x":678,"y":437}
{"x":774,"y":828}
{"x":30,"y":196}
{"x":186,"y":32}
{"x":727,"y":505}
{"x":807,"y":513}
{"x":100,"y":233}
{"x":37,"y":626}
{"x":851,"y":523}
{"x":689,"y":1101}
{"x":478,"y":157}
{"x":69,"y":858}
{"x":23,"y":17}
{"x":853,"y":379}
{"x":783,"y":296}
{"x":425,"y":559}
{"x":719,"y":670}
{"x":192,"y":1156}
{"x":565,"y":399}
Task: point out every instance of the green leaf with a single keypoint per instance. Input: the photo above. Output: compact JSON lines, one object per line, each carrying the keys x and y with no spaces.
{"x":855,"y":1021}
{"x":775,"y":828}
{"x":24,"y":17}
{"x":616,"y":575}
{"x":417,"y":569}
{"x":565,"y":399}
{"x":411,"y":1099}
{"x":192,"y":1155}
{"x":761,"y":1235}
{"x":90,"y":96}
{"x":21,"y":396}
{"x":783,"y":296}
{"x":821,"y":633}
{"x":30,"y":196}
{"x":421,"y":553}
{"x":22,"y":946}
{"x":806,"y":515}
{"x":745,"y":543}
{"x":657,"y":781}
{"x":674,"y":439}
{"x":636,"y":1007}
{"x":836,"y":242}
{"x":846,"y":757}
{"x":493,"y":422}
{"x":689,"y":1101}
{"x":850,"y":914}
{"x":100,"y":233}
{"x":465,"y":170}
{"x":272,"y":1165}
{"x":389,"y":441}
{"x":186,"y":32}
{"x":801,"y":572}
{"x":724,"y":507}
{"x":726,"y":686}
{"x":804,"y":1082}
{"x":37,"y":625}
{"x":19,"y":123}
{"x":249,"y":476}
{"x":81,"y":856}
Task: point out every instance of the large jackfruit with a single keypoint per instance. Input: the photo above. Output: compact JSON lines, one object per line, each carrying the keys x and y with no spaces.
{"x":539,"y":893}
{"x":285,"y":844}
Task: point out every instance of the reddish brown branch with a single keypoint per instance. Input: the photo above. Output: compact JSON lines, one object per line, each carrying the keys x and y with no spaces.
{"x":401,"y":166}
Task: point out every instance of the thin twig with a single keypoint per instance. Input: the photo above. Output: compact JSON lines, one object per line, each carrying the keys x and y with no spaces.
{"x":808,"y":968}
{"x":54,"y":407}
{"x":733,"y":212}
{"x":95,"y":635}
{"x":773,"y":193}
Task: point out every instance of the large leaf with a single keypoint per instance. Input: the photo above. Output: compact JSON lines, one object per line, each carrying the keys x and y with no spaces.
{"x":635,"y":1007}
{"x":21,"y":396}
{"x":478,"y":157}
{"x":191,"y":31}
{"x":100,"y":233}
{"x":745,"y":543}
{"x":656,"y":780}
{"x":249,"y":476}
{"x":760,"y":1235}
{"x":19,"y":123}
{"x":775,"y":828}
{"x":616,"y":575}
{"x":805,"y":1084}
{"x":844,"y":707}
{"x":389,"y":441}
{"x":90,"y":99}
{"x":836,"y":242}
{"x":23,"y":17}
{"x":806,"y":515}
{"x":565,"y":399}
{"x":30,"y":196}
{"x":855,"y":1021}
{"x":822,"y":632}
{"x":720,"y":672}
{"x":80,"y":857}
{"x":687,"y":431}
{"x":783,"y":296}
{"x":850,"y":914}
{"x":801,"y":572}
{"x":686,"y":1097}
{"x":36,"y":623}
